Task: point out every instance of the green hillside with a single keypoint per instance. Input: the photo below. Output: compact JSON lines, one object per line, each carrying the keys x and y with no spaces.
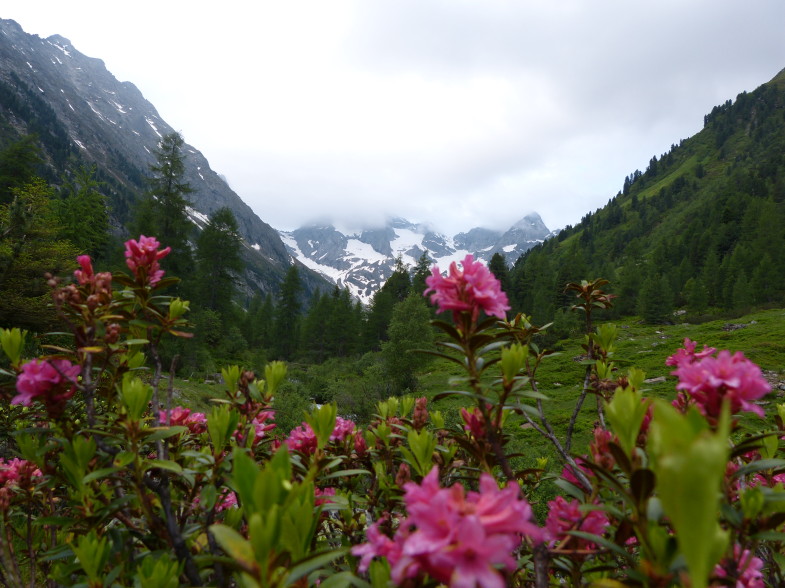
{"x":701,"y":229}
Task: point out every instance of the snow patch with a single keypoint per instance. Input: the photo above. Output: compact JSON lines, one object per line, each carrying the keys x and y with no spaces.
{"x":152,"y":126}
{"x":195,"y":214}
{"x":509,"y":248}
{"x":79,"y":143}
{"x":63,"y":49}
{"x":256,"y":246}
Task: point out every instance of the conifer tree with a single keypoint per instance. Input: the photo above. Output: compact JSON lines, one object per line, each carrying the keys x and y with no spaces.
{"x":18,"y":164}
{"x":162,"y":212}
{"x":82,"y":212}
{"x":218,"y":261}
{"x":286,"y":326}
{"x":409,"y":330}
{"x":498,"y":267}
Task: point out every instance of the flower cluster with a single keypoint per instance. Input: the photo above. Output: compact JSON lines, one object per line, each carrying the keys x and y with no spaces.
{"x":142,"y":258}
{"x":15,"y":472}
{"x":455,"y":537}
{"x":53,"y":380}
{"x":303,"y":438}
{"x":709,"y":380}
{"x":565,"y":516}
{"x":91,"y":289}
{"x":474,"y":422}
{"x":745,"y":568}
{"x":183,"y":417}
{"x":471,"y":289}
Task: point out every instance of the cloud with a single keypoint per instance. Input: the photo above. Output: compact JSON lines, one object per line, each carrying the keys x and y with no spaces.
{"x":452,"y":112}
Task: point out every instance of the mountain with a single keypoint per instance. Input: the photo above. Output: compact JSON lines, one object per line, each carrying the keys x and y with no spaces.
{"x":83,"y":114}
{"x":362,"y":260}
{"x":702,"y":229}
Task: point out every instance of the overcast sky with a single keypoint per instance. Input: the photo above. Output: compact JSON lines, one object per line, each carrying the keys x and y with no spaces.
{"x":454,"y":112}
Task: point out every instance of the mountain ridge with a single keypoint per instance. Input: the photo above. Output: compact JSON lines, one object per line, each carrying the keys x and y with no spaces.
{"x":111,"y":124}
{"x":361,"y":260}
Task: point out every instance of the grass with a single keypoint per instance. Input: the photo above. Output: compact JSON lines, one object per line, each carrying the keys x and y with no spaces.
{"x":560,"y":377}
{"x":761,"y":339}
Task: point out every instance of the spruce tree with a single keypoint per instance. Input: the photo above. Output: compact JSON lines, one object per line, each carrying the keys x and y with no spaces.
{"x":82,"y":212}
{"x":162,"y":212}
{"x":286,"y":326}
{"x":218,"y":261}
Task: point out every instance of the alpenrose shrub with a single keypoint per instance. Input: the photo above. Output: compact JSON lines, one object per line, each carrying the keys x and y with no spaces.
{"x":104,"y":482}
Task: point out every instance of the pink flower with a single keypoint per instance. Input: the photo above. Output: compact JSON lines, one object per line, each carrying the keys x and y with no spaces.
{"x":710,"y":380}
{"x":456,"y":537}
{"x":85,"y":275}
{"x":183,"y":417}
{"x":600,"y":450}
{"x":142,"y":257}
{"x":687,"y":353}
{"x":745,"y":568}
{"x":302,"y":439}
{"x":360,"y":445}
{"x":260,"y":426}
{"x":474,"y":422}
{"x":53,"y":379}
{"x":564,"y":516}
{"x":16,"y":470}
{"x":343,"y":428}
{"x":322,"y":495}
{"x":379,"y":545}
{"x":471,"y":289}
{"x":568,"y":472}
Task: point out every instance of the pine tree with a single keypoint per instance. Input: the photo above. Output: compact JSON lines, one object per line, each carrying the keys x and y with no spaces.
{"x":409,"y":330}
{"x":82,"y":212}
{"x":30,"y":246}
{"x":498,"y":267}
{"x":421,"y":271}
{"x":162,"y":213}
{"x":286,"y":326}
{"x":18,"y":164}
{"x":218,"y":261}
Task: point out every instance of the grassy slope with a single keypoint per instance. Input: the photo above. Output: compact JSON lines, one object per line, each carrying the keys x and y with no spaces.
{"x":643,"y":346}
{"x":560,"y":377}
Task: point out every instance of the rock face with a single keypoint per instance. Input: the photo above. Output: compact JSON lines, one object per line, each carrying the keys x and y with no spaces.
{"x":111,"y":124}
{"x":362,"y":260}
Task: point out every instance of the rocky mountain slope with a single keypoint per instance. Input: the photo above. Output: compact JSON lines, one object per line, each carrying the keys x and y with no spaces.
{"x":81,"y":111}
{"x":362,"y":260}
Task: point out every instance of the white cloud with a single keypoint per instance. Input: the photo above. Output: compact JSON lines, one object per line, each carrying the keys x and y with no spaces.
{"x":456,"y":112}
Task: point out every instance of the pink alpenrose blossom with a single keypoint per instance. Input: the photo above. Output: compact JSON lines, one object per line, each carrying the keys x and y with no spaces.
{"x":565,"y":516}
{"x":470,"y":289}
{"x":711,"y":380}
{"x":16,"y":471}
{"x":51,"y":379}
{"x":687,"y":354}
{"x":744,"y":568}
{"x":85,"y":275}
{"x":142,"y":258}
{"x":458,"y":538}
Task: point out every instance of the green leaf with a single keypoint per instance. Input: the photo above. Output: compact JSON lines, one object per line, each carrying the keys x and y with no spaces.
{"x":346,"y":473}
{"x":159,"y":433}
{"x":165,"y":464}
{"x":234,"y":545}
{"x":313,"y":562}
{"x":98,"y":474}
